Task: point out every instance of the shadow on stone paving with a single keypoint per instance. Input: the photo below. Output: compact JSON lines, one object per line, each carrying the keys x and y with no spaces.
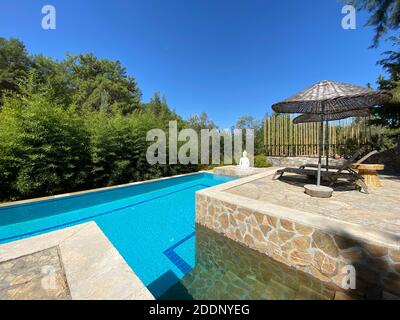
{"x":301,"y":181}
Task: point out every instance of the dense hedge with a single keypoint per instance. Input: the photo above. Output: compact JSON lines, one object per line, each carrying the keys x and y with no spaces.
{"x":46,"y":148}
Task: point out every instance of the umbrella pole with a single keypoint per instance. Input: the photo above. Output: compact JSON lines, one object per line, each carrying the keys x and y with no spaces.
{"x":327,"y":144}
{"x":321,"y":132}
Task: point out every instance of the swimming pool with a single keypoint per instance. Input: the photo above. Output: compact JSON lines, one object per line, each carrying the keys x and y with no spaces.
{"x":151,"y":224}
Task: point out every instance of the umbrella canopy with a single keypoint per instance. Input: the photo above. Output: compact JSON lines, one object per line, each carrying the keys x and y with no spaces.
{"x":331,"y":97}
{"x":309,"y":117}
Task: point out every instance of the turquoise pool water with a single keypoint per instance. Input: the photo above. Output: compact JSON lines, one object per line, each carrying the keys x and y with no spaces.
{"x":152,"y":224}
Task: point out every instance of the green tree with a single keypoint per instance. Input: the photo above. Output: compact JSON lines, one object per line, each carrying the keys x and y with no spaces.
{"x":249,"y":122}
{"x":14,"y":64}
{"x":90,"y":77}
{"x":52,"y":75}
{"x":385,"y":15}
{"x":388,"y":114}
{"x":158,"y":106}
{"x":160,"y":109}
{"x":201,"y":121}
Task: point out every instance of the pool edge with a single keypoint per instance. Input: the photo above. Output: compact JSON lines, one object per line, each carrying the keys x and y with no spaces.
{"x":83,"y":192}
{"x":94,"y":268}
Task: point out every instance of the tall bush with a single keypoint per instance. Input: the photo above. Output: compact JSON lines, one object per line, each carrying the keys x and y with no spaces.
{"x":44,"y":148}
{"x":118,"y":147}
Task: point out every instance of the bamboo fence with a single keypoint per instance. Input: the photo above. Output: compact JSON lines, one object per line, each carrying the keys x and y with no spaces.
{"x":285,"y":139}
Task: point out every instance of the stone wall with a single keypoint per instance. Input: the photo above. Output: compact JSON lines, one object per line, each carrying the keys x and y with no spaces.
{"x":320,"y":254}
{"x":298,"y":161}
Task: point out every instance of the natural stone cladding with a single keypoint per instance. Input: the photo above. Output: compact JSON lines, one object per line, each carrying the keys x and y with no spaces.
{"x":323,"y":255}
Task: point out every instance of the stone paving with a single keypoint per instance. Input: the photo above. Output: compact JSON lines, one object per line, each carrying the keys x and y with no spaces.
{"x":379,"y":210}
{"x":91,"y":268}
{"x":37,"y":276}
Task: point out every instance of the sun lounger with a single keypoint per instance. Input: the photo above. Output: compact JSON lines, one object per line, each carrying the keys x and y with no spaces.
{"x":332,"y":176}
{"x":348,"y":164}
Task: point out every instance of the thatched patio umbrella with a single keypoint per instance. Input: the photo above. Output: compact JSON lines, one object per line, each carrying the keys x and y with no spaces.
{"x":327,"y":100}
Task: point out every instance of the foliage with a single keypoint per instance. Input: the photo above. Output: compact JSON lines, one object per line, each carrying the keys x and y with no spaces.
{"x":260,"y":161}
{"x":385,"y":15}
{"x":385,"y":18}
{"x":43,"y":149}
{"x":118,"y":147}
{"x":77,"y":124}
{"x":14,"y":64}
{"x":46,"y":148}
{"x":93,"y":81}
{"x":248,"y":122}
{"x":74,"y":124}
{"x":388,"y":114}
{"x":202,"y":121}
{"x":82,"y":80}
{"x":51,"y":74}
{"x":349,"y":148}
{"x":384,"y":138}
{"x":158,"y":107}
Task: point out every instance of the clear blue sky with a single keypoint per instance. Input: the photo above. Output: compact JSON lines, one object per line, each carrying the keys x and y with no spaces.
{"x":228,"y":58}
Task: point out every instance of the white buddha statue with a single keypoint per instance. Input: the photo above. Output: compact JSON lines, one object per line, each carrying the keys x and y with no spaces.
{"x":244,"y":162}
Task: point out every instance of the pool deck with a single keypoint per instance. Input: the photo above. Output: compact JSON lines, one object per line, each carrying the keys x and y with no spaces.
{"x":379,"y":210}
{"x":77,"y":263}
{"x":317,"y":236}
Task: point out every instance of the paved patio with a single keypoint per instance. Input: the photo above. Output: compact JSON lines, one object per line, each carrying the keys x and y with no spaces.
{"x":77,"y":263}
{"x":379,"y":210}
{"x":35,"y":276}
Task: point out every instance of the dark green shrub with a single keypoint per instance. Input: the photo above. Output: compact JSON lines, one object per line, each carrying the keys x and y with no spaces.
{"x":260,"y":161}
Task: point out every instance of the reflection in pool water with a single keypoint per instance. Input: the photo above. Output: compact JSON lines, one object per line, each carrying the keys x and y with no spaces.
{"x":227,"y":270}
